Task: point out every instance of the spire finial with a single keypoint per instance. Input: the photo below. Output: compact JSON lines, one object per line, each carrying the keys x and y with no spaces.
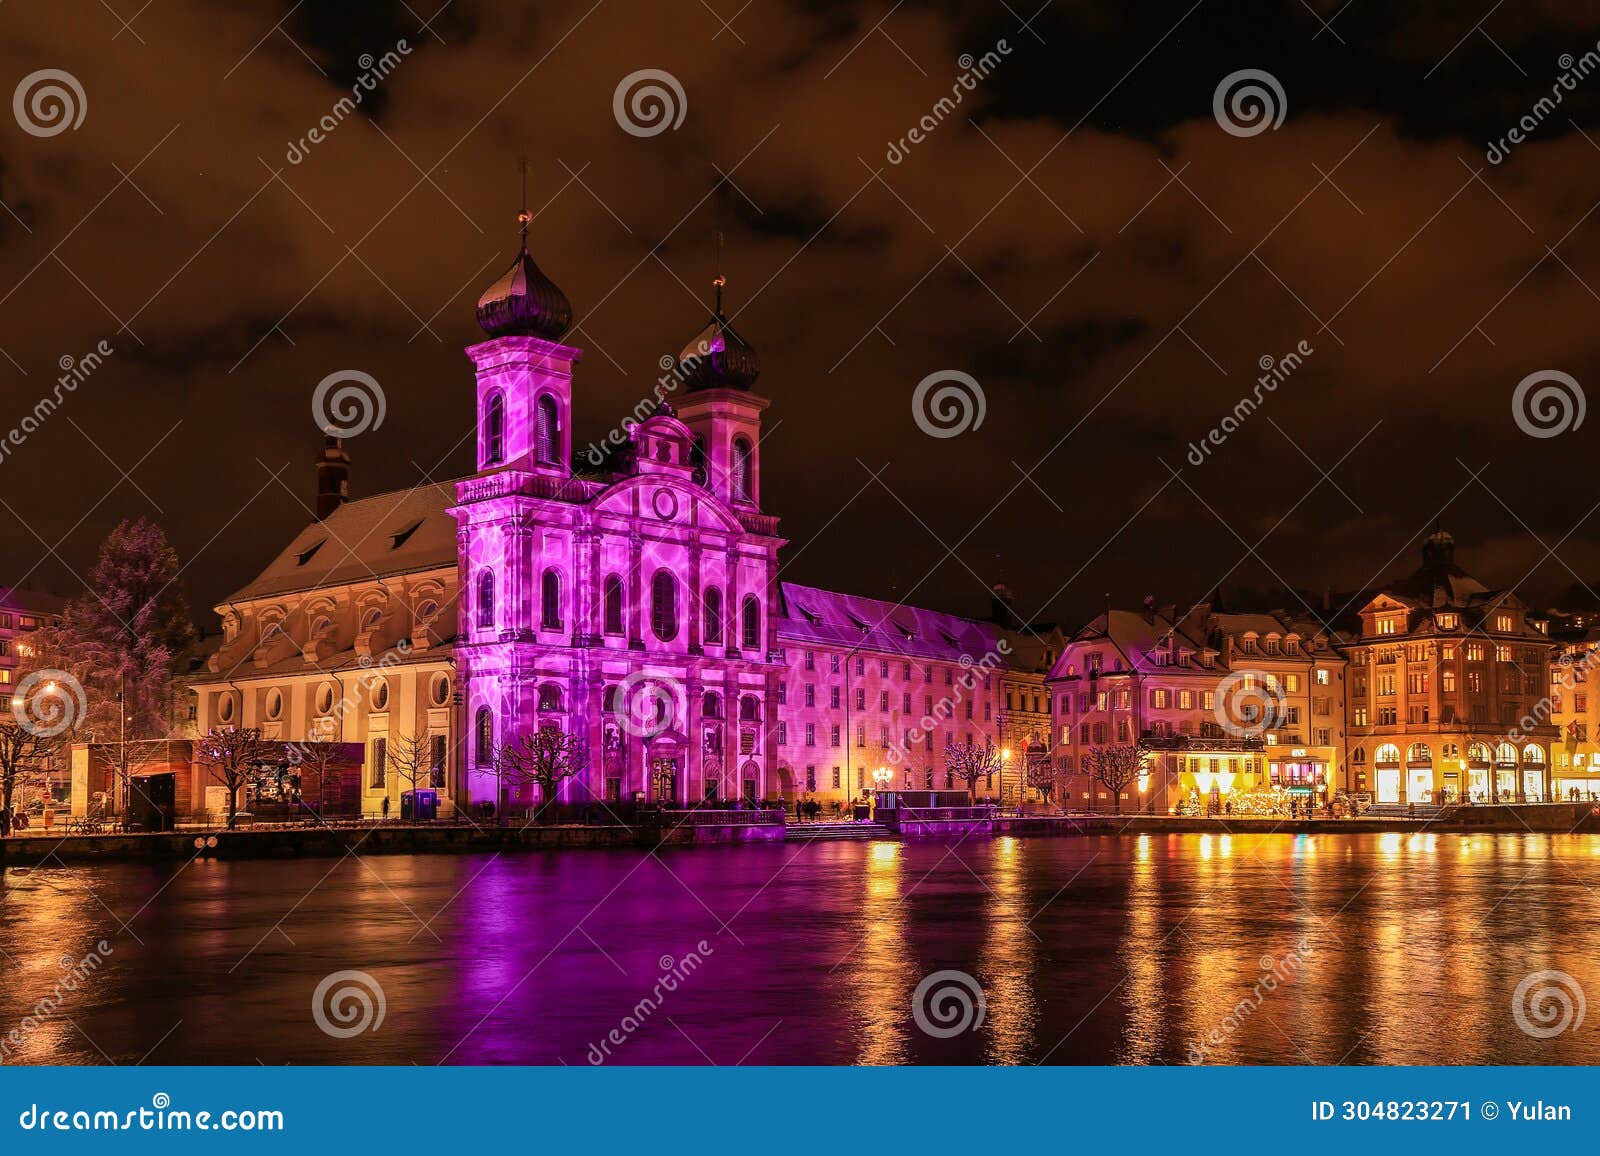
{"x":523,"y":216}
{"x":721,"y":278}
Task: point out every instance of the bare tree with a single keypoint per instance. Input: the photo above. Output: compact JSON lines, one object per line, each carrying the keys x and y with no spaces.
{"x":411,"y":757}
{"x":230,"y":755}
{"x":1114,"y":767}
{"x":1040,"y":771}
{"x":970,"y":761}
{"x":22,"y":751}
{"x":544,"y":758}
{"x":317,"y":759}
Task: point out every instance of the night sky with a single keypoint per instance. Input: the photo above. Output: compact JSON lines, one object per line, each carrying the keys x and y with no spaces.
{"x":1080,"y":235}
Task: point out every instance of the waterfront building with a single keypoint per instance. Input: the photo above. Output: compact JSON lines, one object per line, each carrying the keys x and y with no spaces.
{"x":1446,"y":678}
{"x":1575,"y":711}
{"x":1221,"y":705}
{"x":21,"y":613}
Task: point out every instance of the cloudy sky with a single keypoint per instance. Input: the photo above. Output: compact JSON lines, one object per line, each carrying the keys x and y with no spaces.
{"x":1082,"y":235}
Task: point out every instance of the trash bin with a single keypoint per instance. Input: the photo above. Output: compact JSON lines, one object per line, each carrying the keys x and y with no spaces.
{"x":863,"y":812}
{"x":419,"y":806}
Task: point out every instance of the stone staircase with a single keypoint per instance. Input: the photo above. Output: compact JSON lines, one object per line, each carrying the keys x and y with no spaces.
{"x":833,"y":832}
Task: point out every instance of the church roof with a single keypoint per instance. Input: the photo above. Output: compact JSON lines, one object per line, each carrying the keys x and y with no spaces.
{"x":808,"y":615}
{"x":401,"y":532}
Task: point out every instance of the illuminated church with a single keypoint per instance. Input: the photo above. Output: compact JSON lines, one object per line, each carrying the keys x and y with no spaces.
{"x":635,"y":602}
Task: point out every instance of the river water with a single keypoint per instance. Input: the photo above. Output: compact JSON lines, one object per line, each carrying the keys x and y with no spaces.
{"x":1151,"y":949}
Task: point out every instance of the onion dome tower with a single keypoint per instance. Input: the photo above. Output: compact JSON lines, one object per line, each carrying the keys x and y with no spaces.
{"x":524,"y":369}
{"x":718,"y":357}
{"x":524,"y":302}
{"x":717,"y":370}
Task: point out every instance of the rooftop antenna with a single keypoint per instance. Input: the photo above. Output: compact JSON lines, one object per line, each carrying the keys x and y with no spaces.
{"x":523,"y":215}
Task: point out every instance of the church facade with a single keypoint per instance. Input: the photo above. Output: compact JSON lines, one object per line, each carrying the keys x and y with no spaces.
{"x":634,"y":602}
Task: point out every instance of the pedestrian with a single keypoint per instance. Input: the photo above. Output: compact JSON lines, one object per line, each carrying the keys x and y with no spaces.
{"x":386,"y":808}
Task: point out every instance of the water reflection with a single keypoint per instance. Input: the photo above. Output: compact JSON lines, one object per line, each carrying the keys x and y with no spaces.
{"x":1393,"y":948}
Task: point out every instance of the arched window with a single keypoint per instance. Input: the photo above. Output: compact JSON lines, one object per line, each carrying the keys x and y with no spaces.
{"x":1359,"y":756}
{"x":550,"y":601}
{"x":1478,"y":753}
{"x":613,"y":605}
{"x":749,"y":709}
{"x":549,"y":697}
{"x":494,"y":430}
{"x":713,"y":617}
{"x":370,"y":620}
{"x":547,"y":432}
{"x":1387,"y":753}
{"x":741,"y":469}
{"x":609,"y":698}
{"x":752,"y":623}
{"x":1419,"y":753}
{"x":484,"y":735}
{"x":664,"y":605}
{"x":486,"y":600}
{"x":1506,"y":753}
{"x":711,"y":707}
{"x":1532,"y":755}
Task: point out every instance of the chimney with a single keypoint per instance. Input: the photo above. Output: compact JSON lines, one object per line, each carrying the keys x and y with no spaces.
{"x":333,"y":476}
{"x":1003,"y":610}
{"x":1149,"y":607}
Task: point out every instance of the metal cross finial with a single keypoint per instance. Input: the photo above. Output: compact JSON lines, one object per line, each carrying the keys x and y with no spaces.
{"x":721,"y":278}
{"x":523,"y":216}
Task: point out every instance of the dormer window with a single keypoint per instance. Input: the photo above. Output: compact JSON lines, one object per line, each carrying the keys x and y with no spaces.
{"x":1446,"y":621}
{"x":400,"y":538}
{"x":310,"y":552}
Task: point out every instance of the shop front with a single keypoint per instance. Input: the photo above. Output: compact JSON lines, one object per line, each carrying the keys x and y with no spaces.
{"x":1302,"y":774}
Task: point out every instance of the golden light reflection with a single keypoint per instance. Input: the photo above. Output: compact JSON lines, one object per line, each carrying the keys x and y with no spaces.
{"x":881,"y":971}
{"x":1010,"y":959}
